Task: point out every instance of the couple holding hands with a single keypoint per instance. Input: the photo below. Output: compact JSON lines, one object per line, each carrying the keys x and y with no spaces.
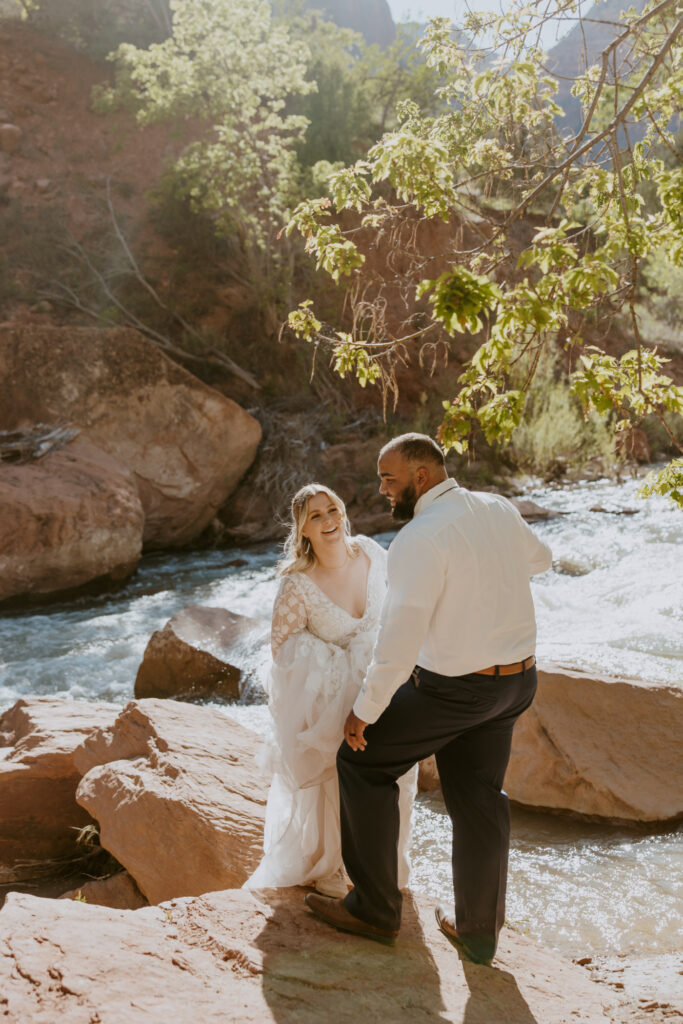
{"x":426,"y":649}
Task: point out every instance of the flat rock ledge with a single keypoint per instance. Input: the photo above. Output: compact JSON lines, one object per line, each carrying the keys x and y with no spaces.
{"x":261,"y":956}
{"x":600,"y":748}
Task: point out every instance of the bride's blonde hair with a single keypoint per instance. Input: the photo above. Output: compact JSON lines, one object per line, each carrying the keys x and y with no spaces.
{"x":298,"y":550}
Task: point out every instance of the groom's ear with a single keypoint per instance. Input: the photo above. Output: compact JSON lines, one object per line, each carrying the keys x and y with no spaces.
{"x":421,"y":476}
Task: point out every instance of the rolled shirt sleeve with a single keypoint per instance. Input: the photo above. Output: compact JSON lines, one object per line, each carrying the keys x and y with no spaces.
{"x":416,"y":573}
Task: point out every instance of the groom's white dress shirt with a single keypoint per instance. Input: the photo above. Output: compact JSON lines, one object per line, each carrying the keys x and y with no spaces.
{"x":458,"y":597}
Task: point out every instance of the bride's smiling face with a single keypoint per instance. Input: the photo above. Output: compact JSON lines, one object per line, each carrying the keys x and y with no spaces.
{"x":324,"y":524}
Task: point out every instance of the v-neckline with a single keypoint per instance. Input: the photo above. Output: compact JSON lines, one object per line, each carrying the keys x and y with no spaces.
{"x":356,"y":618}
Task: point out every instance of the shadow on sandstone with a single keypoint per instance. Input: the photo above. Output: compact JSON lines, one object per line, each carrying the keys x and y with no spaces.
{"x":312,"y":972}
{"x":494,"y":996}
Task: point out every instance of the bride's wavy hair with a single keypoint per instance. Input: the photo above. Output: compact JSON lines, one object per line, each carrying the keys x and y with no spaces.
{"x":298,"y":551}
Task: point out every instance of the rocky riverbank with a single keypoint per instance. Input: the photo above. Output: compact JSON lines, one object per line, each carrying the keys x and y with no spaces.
{"x":179,"y":800}
{"x":256,"y":957}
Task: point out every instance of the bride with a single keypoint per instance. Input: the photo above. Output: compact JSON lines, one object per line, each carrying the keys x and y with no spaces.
{"x":325,"y":622}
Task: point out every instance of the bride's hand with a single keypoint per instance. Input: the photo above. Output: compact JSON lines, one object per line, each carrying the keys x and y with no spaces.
{"x":353,"y":732}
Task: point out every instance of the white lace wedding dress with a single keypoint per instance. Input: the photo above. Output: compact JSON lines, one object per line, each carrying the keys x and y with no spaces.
{"x":320,"y":655}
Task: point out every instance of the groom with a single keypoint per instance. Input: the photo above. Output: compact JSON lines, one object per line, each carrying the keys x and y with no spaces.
{"x":452,"y":670}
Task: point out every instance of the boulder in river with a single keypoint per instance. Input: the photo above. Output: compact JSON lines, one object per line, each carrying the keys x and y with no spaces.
{"x":178,"y":796}
{"x":257,"y":957}
{"x":600,"y":748}
{"x":69,"y":519}
{"x":606,"y":748}
{"x":39,"y":816}
{"x":197,"y":654}
{"x":186,"y":445}
{"x":533,"y":512}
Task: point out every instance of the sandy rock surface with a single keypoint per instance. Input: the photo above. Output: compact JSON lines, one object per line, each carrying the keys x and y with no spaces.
{"x":38,"y":777}
{"x":178,"y":796}
{"x":257,"y":957}
{"x":186,"y":445}
{"x":67,"y":519}
{"x":10,"y":137}
{"x":605,"y":748}
{"x":199,"y":653}
{"x":650,"y":983}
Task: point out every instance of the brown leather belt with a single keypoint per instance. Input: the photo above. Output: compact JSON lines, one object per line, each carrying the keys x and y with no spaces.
{"x":507,"y":670}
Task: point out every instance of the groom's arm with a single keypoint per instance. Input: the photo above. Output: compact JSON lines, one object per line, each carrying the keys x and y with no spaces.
{"x":416,"y":575}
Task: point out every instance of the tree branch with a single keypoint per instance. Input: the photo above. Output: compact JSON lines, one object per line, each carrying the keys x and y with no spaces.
{"x":609,"y":130}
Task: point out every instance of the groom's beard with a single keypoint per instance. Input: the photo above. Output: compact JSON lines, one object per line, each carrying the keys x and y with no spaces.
{"x":405,"y":503}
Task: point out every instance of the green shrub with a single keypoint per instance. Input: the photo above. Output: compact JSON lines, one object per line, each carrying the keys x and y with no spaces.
{"x":554,"y":436}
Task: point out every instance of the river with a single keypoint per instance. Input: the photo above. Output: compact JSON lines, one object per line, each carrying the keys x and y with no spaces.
{"x":611,"y":605}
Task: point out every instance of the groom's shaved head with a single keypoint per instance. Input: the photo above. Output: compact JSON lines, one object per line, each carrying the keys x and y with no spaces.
{"x":407,"y":467}
{"x":416,"y":448}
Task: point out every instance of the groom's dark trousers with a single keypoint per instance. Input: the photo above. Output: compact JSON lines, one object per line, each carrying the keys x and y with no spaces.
{"x":467,"y":722}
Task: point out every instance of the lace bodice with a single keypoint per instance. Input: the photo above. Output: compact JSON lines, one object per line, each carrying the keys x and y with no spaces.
{"x":300,"y":605}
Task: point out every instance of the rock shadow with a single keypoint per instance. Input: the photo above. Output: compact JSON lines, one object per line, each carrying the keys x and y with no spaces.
{"x":314,"y":973}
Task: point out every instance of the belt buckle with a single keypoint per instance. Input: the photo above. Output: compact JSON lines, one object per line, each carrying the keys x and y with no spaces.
{"x":415,"y":676}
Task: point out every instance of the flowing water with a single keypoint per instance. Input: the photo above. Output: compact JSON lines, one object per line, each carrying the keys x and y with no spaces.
{"x":611,"y":605}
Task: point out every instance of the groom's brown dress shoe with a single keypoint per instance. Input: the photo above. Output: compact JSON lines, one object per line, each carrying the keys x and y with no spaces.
{"x":444,"y":921}
{"x":334,"y":912}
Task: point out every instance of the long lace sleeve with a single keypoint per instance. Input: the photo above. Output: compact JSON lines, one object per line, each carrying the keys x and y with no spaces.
{"x":289,"y":614}
{"x":311,"y":686}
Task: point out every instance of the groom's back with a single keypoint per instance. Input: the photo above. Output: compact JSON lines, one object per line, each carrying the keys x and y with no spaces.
{"x":485,"y":613}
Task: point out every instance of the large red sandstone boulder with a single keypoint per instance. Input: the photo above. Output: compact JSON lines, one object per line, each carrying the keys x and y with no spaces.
{"x":601,"y":747}
{"x":178,"y":796}
{"x":39,"y":815}
{"x":605,"y":748}
{"x":252,"y":958}
{"x":70,"y":518}
{"x":198,"y":653}
{"x":186,"y":445}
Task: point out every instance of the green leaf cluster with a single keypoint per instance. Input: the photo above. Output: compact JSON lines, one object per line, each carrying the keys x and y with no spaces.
{"x":667,"y":483}
{"x":303,"y":321}
{"x":352,"y":358}
{"x":632,"y":385}
{"x":460,"y":298}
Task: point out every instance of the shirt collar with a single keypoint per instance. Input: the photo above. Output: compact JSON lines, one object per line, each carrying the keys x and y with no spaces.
{"x":426,"y":499}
